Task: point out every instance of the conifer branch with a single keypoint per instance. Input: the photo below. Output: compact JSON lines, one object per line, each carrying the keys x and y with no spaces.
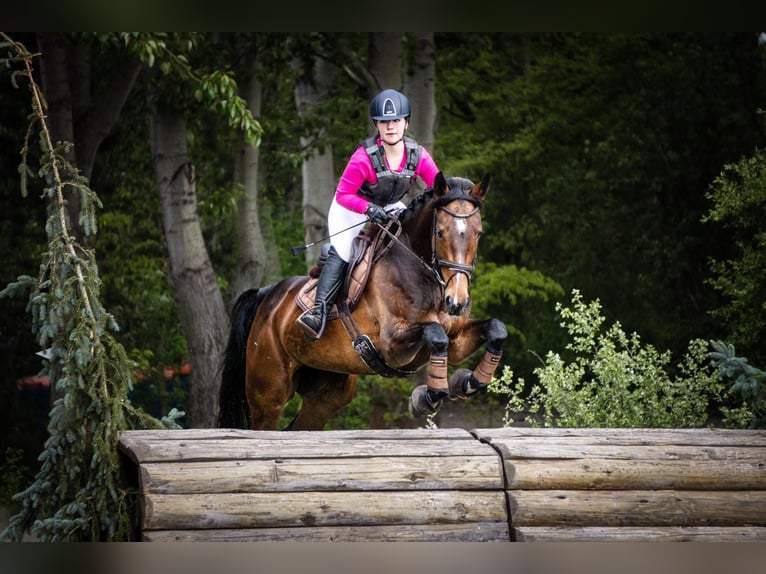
{"x":79,"y":493}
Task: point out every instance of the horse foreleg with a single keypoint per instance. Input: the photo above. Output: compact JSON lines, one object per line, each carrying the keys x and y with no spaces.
{"x":464,"y":383}
{"x":425,"y":399}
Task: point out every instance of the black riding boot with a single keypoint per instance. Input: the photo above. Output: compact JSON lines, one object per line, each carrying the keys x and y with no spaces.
{"x":330,"y":280}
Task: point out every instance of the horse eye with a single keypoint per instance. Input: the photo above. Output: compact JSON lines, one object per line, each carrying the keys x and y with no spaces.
{"x":439,"y":233}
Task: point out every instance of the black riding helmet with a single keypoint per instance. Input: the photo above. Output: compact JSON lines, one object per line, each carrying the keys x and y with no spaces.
{"x":389,"y":105}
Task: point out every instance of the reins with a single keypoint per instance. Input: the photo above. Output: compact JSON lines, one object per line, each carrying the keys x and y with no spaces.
{"x":429,"y":268}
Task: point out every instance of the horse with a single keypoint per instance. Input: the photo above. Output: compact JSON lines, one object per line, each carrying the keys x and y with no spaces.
{"x":413,"y":312}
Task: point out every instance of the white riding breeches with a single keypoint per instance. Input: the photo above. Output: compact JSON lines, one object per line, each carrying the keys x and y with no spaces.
{"x":344,"y":225}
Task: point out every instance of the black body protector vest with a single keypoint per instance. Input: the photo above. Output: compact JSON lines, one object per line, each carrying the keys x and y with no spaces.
{"x":392,"y":185}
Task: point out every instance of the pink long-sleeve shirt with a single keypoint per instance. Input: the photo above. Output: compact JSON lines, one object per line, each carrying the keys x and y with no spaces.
{"x":359,"y":169}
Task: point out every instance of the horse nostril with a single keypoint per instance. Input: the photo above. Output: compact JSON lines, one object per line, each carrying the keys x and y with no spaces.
{"x":449,"y":305}
{"x":453,"y":308}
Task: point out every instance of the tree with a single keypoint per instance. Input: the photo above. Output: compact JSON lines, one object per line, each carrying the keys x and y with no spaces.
{"x":198,"y":296}
{"x":603,"y":146}
{"x":200,"y":303}
{"x":252,"y":249}
{"x":420,"y":87}
{"x":315,"y":78}
{"x":738,"y":197}
{"x":75,"y":115}
{"x":78,"y":493}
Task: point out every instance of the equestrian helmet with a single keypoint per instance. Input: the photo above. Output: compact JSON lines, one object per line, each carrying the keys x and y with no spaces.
{"x":389,"y":105}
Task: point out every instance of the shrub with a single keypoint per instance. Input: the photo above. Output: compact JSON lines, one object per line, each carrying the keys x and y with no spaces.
{"x":749,"y":383}
{"x":614,"y":380}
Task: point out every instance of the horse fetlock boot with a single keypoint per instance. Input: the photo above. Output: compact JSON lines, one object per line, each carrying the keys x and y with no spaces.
{"x":314,"y":320}
{"x":425,"y":401}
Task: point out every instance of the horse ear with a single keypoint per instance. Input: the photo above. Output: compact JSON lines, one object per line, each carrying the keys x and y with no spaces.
{"x":440,"y":184}
{"x":480,"y":189}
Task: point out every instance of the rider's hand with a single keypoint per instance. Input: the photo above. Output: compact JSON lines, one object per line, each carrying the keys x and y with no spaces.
{"x":376,"y":213}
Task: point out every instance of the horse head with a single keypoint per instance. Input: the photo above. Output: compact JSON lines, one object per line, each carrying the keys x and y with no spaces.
{"x":455,"y":236}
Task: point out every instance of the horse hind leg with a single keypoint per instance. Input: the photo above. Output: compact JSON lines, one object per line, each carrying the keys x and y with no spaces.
{"x":268,"y":391}
{"x":323,"y":393}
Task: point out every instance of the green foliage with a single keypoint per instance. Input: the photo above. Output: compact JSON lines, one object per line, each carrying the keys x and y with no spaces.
{"x":749,"y":382}
{"x":379,"y":403}
{"x":171,"y":52}
{"x":13,"y":472}
{"x":79,"y":492}
{"x":500,"y":285}
{"x":497,"y":289}
{"x":615,"y":380}
{"x":522,"y":299}
{"x":589,"y":138}
{"x":738,"y":197}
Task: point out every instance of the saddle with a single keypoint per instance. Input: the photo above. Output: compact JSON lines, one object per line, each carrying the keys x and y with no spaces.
{"x":368,"y":247}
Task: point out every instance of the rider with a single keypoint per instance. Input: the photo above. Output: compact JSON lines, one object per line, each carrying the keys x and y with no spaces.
{"x":378,"y":174}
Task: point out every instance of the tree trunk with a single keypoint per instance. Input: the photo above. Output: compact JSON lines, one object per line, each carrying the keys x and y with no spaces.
{"x":74,"y":115}
{"x":420,"y":88}
{"x":384,"y":64}
{"x":385,"y":61}
{"x":251,"y":261}
{"x":55,"y":82}
{"x":199,"y":300}
{"x":319,"y":180}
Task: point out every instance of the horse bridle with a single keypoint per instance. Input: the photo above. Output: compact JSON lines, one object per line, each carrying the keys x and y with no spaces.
{"x":437,"y":263}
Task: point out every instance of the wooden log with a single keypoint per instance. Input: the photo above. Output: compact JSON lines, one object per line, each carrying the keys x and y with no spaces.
{"x":525,"y":448}
{"x":315,"y":446}
{"x":637,"y":508}
{"x":316,"y":509}
{"x":445,"y":485}
{"x":162,"y":435}
{"x":628,"y":436}
{"x":471,"y":532}
{"x":639,"y":534}
{"x":323,"y":474}
{"x":641,"y":474}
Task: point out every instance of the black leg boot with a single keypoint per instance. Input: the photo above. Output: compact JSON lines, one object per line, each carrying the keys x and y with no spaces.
{"x":330,"y":280}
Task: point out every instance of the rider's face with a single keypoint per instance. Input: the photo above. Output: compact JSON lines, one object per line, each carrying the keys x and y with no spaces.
{"x":392,"y":131}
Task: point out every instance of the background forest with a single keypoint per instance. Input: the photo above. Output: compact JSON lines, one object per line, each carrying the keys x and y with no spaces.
{"x":626,"y":167}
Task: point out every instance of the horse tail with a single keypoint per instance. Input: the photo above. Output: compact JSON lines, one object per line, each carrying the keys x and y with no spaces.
{"x":232,"y":402}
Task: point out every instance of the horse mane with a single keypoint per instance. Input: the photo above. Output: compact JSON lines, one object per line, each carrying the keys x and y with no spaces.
{"x":458,"y":189}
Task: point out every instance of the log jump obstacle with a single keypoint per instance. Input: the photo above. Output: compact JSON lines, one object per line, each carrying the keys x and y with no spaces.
{"x":501,"y":484}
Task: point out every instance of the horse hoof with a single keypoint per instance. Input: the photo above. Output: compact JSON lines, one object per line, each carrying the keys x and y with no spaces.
{"x":420,"y":405}
{"x":458,"y":384}
{"x":463,"y":385}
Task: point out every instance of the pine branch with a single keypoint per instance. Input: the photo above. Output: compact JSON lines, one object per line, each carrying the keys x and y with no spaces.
{"x":79,"y":492}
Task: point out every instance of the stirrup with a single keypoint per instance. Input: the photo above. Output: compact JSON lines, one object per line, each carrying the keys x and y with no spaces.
{"x":314,"y":312}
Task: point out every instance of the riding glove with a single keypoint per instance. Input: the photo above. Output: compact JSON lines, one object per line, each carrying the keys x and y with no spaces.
{"x":376,"y":213}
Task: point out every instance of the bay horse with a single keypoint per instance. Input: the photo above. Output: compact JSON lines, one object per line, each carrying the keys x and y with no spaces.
{"x":414,"y":312}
